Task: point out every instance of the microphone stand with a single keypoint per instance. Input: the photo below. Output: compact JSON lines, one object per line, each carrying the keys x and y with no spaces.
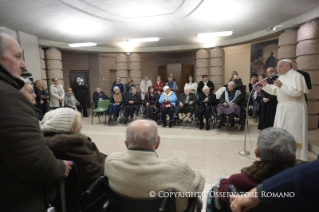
{"x":245,"y":152}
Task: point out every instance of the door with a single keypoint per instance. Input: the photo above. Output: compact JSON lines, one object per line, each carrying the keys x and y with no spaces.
{"x":162,"y":71}
{"x":187,"y":70}
{"x":85,"y":76}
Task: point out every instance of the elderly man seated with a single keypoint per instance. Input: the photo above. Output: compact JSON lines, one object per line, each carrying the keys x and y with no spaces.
{"x":206,"y":100}
{"x":276,"y":149}
{"x":186,"y":104}
{"x":229,"y":105}
{"x":141,"y":171}
{"x":168,"y":103}
{"x":132,"y":102}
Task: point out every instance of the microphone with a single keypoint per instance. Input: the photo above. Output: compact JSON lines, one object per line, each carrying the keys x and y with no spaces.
{"x":268,"y":77}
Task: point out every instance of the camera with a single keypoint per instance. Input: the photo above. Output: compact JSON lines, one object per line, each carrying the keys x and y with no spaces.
{"x":26,"y":73}
{"x":81,"y":80}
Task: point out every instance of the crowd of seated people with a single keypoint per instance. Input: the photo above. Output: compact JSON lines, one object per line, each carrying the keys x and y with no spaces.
{"x":33,"y":157}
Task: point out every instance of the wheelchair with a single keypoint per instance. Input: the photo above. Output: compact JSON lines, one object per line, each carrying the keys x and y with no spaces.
{"x":160,"y":118}
{"x":139,"y":114}
{"x":193,"y":119}
{"x":120,"y":117}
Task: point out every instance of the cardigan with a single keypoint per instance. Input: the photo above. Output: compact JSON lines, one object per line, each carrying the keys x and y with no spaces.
{"x":143,"y":171}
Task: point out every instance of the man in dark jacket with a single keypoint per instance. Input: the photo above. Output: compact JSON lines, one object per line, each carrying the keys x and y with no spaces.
{"x":133,"y":100}
{"x":203,"y":83}
{"x":79,"y":90}
{"x":27,"y":165}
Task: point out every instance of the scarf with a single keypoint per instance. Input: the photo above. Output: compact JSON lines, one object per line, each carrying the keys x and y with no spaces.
{"x":261,"y":170}
{"x":167,"y":95}
{"x":117,"y":98}
{"x":237,"y":93}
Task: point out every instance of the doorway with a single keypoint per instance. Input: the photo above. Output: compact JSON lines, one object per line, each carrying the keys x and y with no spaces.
{"x":85,"y":76}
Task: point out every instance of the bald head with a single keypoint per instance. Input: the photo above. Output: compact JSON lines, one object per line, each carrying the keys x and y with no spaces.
{"x":142,"y":134}
{"x":11,"y":55}
{"x":270,"y":71}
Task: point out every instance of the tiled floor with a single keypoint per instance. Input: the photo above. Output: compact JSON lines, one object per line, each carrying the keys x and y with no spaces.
{"x":214,"y":153}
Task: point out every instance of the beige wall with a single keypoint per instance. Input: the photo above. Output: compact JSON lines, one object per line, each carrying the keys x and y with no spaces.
{"x":237,"y":58}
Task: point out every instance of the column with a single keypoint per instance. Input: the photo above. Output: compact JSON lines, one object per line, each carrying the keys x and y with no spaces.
{"x":121,"y":67}
{"x":135,"y":67}
{"x":44,"y":77}
{"x":308,"y":60}
{"x":54,"y":65}
{"x":217,"y":67}
{"x":287,"y":43}
{"x":202,"y":64}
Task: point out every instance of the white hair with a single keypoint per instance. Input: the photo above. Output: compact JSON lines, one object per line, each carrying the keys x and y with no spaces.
{"x":205,"y":87}
{"x":276,"y":144}
{"x":98,"y":89}
{"x":187,"y":88}
{"x":26,"y":82}
{"x":3,"y":45}
{"x":141,"y":137}
{"x":116,"y":88}
{"x":232,"y":83}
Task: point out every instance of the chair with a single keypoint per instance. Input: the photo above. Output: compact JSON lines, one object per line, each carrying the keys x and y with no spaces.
{"x":213,"y":202}
{"x":117,"y":203}
{"x":103,"y":105}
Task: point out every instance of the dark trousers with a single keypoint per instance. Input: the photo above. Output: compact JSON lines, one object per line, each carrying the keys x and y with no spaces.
{"x":207,"y":113}
{"x":230,"y":117}
{"x":129,"y":110}
{"x":82,"y":107}
{"x":149,"y":112}
{"x":169,"y":111}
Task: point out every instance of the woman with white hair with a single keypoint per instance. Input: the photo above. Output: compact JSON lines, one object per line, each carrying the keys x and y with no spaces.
{"x":115,"y":103}
{"x":186,"y":104}
{"x":229,"y":105}
{"x":168,"y":103}
{"x":206,"y":100}
{"x":99,"y":95}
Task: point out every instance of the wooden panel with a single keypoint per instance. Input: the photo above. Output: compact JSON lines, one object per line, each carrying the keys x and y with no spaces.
{"x":176,"y":69}
{"x":162,"y":71}
{"x":187,"y":70}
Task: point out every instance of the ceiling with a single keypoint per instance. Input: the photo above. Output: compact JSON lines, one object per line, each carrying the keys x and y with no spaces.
{"x":175,"y":22}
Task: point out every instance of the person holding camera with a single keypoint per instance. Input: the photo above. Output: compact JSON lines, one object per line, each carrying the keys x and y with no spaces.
{"x":79,"y":90}
{"x":235,"y":78}
{"x":57,"y":94}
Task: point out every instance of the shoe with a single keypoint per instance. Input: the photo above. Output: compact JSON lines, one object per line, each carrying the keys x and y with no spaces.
{"x":218,"y":124}
{"x":201,"y":127}
{"x":170,"y":124}
{"x":180,"y":120}
{"x":164,"y":123}
{"x":188,"y":121}
{"x":207,"y":127}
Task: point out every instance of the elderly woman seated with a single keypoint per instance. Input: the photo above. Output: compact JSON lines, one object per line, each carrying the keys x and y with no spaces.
{"x":168,"y":103}
{"x":62,"y":128}
{"x":229,"y":105}
{"x":70,"y":100}
{"x":151,"y":100}
{"x":99,"y":95}
{"x":115,"y":103}
{"x":206,"y":101}
{"x":276,"y":149}
{"x":133,"y":101}
{"x":186,"y":104}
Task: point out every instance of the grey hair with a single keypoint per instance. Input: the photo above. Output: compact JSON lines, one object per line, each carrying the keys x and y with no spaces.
{"x":276,"y":144}
{"x":187,"y":88}
{"x":204,"y":88}
{"x":116,"y":88}
{"x":232,"y":83}
{"x":141,"y":137}
{"x":3,"y":45}
{"x":132,"y":88}
{"x":26,"y":82}
{"x":98,"y":88}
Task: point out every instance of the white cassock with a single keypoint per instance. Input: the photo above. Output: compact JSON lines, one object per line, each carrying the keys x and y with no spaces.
{"x":291,"y":113}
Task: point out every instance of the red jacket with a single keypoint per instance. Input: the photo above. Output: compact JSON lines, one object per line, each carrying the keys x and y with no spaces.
{"x":242,"y":182}
{"x":158,"y":87}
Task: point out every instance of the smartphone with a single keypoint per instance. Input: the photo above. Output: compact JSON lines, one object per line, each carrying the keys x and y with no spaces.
{"x":235,"y":76}
{"x":81,"y":80}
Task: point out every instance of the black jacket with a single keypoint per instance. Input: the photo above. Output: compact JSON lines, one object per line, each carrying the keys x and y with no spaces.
{"x":79,"y":90}
{"x":239,"y":99}
{"x":210,"y":84}
{"x":27,"y":165}
{"x":182,"y":98}
{"x":136,"y":98}
{"x":152,"y":100}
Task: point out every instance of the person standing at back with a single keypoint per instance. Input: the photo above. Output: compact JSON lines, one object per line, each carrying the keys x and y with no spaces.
{"x":27,"y":166}
{"x":145,"y":84}
{"x":203,"y":83}
{"x":79,"y":90}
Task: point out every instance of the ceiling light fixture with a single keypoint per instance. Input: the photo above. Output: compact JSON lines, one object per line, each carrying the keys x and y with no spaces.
{"x":140,"y":40}
{"x":214,"y":34}
{"x":82,"y":44}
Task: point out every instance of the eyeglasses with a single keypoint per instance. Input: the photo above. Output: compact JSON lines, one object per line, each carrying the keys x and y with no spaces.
{"x":30,"y":92}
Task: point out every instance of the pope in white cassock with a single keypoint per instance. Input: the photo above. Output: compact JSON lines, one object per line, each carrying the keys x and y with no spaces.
{"x":291,"y":113}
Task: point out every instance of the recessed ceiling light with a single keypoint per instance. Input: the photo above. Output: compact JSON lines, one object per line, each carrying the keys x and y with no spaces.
{"x":140,"y":40}
{"x":82,"y":44}
{"x":215,"y":34}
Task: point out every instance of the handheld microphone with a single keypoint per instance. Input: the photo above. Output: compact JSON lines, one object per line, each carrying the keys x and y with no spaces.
{"x":268,"y":77}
